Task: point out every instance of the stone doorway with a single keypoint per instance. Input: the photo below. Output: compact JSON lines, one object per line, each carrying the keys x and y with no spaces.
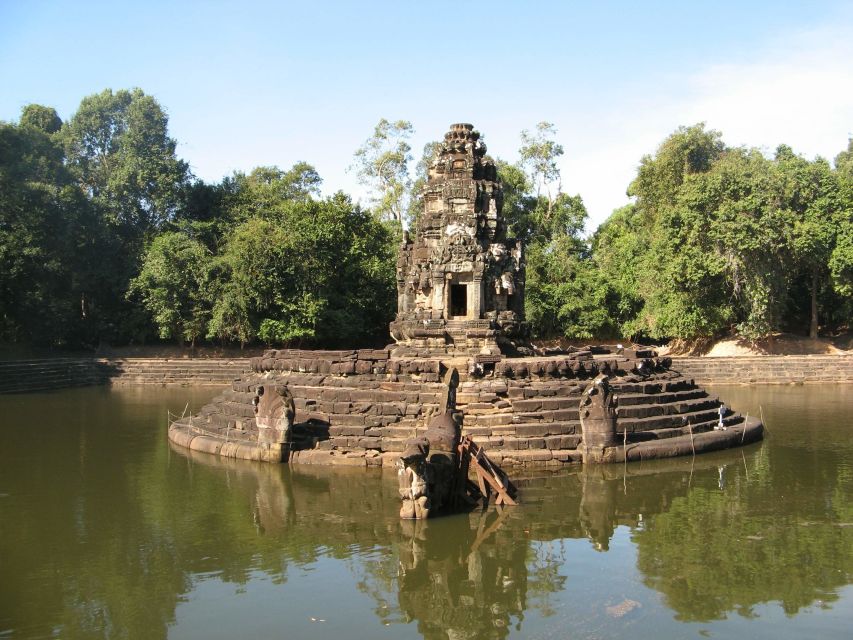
{"x":458,"y":300}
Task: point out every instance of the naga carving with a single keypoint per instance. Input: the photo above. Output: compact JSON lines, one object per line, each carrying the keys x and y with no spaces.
{"x":274,"y":411}
{"x":598,"y":419}
{"x":428,"y":467}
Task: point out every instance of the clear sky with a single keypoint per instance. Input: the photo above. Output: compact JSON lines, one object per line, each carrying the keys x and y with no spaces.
{"x":272,"y":83}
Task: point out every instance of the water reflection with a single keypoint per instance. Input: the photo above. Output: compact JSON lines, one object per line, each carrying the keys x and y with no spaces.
{"x":120,"y":537}
{"x":706,"y":536}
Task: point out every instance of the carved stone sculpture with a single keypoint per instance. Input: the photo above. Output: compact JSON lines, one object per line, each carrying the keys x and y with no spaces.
{"x":598,"y":419}
{"x":413,"y":478}
{"x":426,"y":471}
{"x":274,"y":411}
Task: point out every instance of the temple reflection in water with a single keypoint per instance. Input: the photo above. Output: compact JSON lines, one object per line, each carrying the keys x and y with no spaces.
{"x":159,"y":542}
{"x":477,"y":574}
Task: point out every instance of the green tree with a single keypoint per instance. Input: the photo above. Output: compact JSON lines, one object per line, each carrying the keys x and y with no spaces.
{"x":723,"y":239}
{"x":619,"y":247}
{"x":47,"y":235}
{"x":811,"y":202}
{"x":564,"y":295}
{"x":313,"y":271}
{"x":266,"y":191}
{"x":40,"y":117}
{"x":841,"y":259}
{"x":519,"y":203}
{"x":117,"y":144}
{"x":174,"y":286}
{"x":416,"y":202}
{"x":687,"y":151}
{"x":539,"y":154}
{"x":382,"y":165}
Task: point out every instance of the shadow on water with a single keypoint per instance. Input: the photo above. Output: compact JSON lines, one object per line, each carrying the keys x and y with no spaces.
{"x":106,"y":530}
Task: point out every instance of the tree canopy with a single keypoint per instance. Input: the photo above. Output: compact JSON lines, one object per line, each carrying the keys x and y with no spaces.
{"x":105,"y":235}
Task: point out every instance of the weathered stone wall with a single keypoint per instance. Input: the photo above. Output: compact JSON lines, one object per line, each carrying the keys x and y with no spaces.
{"x":181,"y":371}
{"x":20,"y":376}
{"x":767,"y":369}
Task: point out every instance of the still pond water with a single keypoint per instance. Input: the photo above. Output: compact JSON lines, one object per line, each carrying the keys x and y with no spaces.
{"x":106,"y":531}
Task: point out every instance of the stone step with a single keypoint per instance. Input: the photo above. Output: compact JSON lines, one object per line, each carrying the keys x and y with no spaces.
{"x":629,"y":399}
{"x":651,"y":410}
{"x":655,"y":423}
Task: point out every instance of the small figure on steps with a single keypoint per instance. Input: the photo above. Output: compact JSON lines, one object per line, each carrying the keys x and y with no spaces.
{"x":721,"y":426}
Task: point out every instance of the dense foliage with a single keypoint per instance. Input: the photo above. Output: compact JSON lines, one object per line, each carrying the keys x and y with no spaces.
{"x":105,"y":235}
{"x":724,"y":239}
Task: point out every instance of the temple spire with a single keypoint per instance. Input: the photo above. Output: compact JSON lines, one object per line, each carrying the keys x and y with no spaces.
{"x":460,"y":282}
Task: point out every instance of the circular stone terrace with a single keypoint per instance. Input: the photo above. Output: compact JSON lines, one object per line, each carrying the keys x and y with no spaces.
{"x":358,"y":407}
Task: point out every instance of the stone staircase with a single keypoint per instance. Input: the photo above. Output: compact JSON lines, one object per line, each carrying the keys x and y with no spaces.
{"x":182,"y":371}
{"x":767,"y":369}
{"x":531,"y":420}
{"x":23,"y":376}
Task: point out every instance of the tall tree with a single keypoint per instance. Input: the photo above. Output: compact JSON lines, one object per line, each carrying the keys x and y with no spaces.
{"x":416,"y":202}
{"x":564,"y":295}
{"x":118,"y":146}
{"x":46,"y":229}
{"x":305,"y":271}
{"x":539,"y":154}
{"x":810,"y":202}
{"x":40,"y":117}
{"x":841,"y":260}
{"x":689,"y":150}
{"x":382,"y":165}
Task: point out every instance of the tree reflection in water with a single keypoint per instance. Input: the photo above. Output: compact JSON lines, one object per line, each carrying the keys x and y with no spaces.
{"x":132,"y":533}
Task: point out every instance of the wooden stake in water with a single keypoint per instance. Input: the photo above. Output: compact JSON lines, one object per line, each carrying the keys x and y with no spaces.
{"x":692,"y":446}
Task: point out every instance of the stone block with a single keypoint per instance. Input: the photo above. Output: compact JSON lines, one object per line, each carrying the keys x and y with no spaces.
{"x":370,"y":443}
{"x":316,"y":416}
{"x":347,"y":419}
{"x":363,"y":366}
{"x":392,"y":408}
{"x":533,"y":404}
{"x":346,"y":430}
{"x":532,"y":430}
{"x":493,"y":419}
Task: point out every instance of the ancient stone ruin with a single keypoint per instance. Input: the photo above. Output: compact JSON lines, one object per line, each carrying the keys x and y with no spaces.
{"x":460,"y":282}
{"x":460,"y":307}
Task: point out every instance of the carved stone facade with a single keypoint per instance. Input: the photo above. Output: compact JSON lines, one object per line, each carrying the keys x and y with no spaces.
{"x":460,"y":282}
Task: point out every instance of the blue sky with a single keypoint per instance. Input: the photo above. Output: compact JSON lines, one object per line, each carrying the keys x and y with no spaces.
{"x":272,"y":83}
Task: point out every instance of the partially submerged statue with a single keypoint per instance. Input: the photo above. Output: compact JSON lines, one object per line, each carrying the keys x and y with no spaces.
{"x":433,"y":469}
{"x":274,"y":411}
{"x":428,"y":468}
{"x":414,"y":476}
{"x":598,"y":419}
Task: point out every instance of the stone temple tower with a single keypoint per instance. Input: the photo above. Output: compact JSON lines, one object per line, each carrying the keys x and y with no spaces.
{"x":460,"y":282}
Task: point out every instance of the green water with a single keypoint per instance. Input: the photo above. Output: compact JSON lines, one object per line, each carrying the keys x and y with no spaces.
{"x":106,"y":531}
